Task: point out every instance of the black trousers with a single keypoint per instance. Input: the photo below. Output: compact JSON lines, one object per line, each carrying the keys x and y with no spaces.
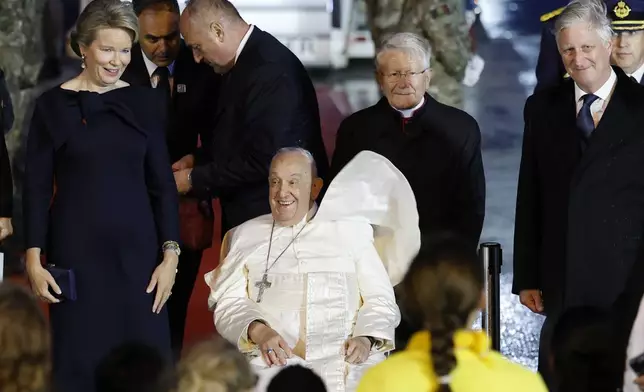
{"x":189,"y":262}
{"x":545,"y":352}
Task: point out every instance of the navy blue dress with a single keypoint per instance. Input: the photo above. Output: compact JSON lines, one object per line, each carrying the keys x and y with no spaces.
{"x":115,"y":204}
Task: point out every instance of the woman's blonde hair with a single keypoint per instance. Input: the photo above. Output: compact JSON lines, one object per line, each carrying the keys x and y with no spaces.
{"x":215,"y":366}
{"x":100,"y":15}
{"x":25,"y":345}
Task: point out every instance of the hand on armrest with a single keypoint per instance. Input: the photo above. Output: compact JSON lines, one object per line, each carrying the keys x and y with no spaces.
{"x":274,"y":348}
{"x":357,"y":349}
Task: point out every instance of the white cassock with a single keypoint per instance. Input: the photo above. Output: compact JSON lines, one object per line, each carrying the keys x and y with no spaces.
{"x":332,"y":283}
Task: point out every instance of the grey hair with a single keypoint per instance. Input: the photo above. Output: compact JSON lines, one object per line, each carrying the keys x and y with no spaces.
{"x":300,"y":150}
{"x":591,"y":12}
{"x":411,"y":43}
{"x":103,"y":14}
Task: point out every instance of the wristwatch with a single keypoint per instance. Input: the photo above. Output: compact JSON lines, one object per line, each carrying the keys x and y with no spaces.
{"x":372,"y":340}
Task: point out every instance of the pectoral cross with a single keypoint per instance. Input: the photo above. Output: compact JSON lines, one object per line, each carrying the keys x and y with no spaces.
{"x":262,"y":285}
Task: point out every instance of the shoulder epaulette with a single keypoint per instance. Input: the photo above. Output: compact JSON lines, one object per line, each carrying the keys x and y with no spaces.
{"x":551,"y":14}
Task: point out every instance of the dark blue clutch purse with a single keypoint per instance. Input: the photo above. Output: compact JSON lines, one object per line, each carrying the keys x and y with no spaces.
{"x":65,"y":279}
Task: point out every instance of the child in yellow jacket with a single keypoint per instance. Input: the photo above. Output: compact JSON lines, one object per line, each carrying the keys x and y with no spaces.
{"x":443,"y":290}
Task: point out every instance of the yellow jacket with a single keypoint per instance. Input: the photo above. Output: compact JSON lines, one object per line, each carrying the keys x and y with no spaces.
{"x":478,"y":369}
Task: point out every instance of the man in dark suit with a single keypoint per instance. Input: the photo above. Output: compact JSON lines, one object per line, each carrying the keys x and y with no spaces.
{"x":628,"y":44}
{"x":550,"y":70}
{"x":6,"y":181}
{"x":267,"y":102}
{"x":162,"y":60}
{"x":579,"y":216}
{"x":437,"y":147}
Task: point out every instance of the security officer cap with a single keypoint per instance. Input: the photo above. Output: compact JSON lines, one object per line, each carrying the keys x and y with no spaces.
{"x":626,"y":15}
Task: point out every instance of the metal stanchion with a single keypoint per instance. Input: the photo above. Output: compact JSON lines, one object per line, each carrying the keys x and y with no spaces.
{"x":491,"y":255}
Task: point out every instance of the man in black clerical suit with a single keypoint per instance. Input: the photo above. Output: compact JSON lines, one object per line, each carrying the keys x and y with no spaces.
{"x":6,"y":181}
{"x":162,"y":60}
{"x":267,"y":102}
{"x":628,"y":44}
{"x":437,"y":147}
{"x":579,"y":216}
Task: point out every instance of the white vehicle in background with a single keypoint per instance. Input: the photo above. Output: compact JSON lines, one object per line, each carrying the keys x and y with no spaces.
{"x":322,"y":33}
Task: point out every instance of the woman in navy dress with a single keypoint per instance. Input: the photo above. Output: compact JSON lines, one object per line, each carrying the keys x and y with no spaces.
{"x":113,"y":218}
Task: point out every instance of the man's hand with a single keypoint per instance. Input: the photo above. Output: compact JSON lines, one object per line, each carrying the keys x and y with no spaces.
{"x":357,"y":350}
{"x":274,"y":349}
{"x":532,"y":300}
{"x":6,"y":229}
{"x":187,"y":162}
{"x":182,"y":178}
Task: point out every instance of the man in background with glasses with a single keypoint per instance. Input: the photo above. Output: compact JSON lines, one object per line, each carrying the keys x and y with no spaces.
{"x":437,"y":147}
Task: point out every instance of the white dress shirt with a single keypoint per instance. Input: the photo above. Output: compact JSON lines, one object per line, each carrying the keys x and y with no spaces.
{"x":243,"y":42}
{"x":151,"y":67}
{"x":638,"y":74}
{"x":604,"y":92}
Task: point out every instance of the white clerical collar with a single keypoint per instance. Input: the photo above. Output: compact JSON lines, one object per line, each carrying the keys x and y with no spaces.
{"x":309,"y":215}
{"x":407,"y":113}
{"x":151,"y":67}
{"x":243,"y":42}
{"x":604,"y":91}
{"x":638,"y":73}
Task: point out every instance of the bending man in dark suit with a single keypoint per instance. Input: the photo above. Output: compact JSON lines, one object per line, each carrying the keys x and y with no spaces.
{"x":437,"y":147}
{"x":579,"y":215}
{"x":267,"y":102}
{"x":162,"y":60}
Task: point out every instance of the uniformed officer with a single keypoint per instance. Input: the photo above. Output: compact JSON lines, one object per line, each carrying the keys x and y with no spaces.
{"x":628,"y":43}
{"x":550,"y":69}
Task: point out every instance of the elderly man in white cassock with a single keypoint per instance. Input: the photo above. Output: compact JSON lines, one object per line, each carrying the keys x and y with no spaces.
{"x":314,"y":286}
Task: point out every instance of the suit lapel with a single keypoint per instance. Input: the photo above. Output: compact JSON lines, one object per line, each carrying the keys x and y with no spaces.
{"x":563,"y":120}
{"x":137,"y":69}
{"x":612,"y":129}
{"x":182,"y":71}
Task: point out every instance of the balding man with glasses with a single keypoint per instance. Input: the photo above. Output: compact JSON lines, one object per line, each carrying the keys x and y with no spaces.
{"x":437,"y":147}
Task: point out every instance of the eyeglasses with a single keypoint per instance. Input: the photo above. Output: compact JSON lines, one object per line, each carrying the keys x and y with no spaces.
{"x":397,"y":76}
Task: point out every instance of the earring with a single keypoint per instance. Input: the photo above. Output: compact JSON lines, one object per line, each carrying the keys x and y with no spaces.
{"x":83,"y":61}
